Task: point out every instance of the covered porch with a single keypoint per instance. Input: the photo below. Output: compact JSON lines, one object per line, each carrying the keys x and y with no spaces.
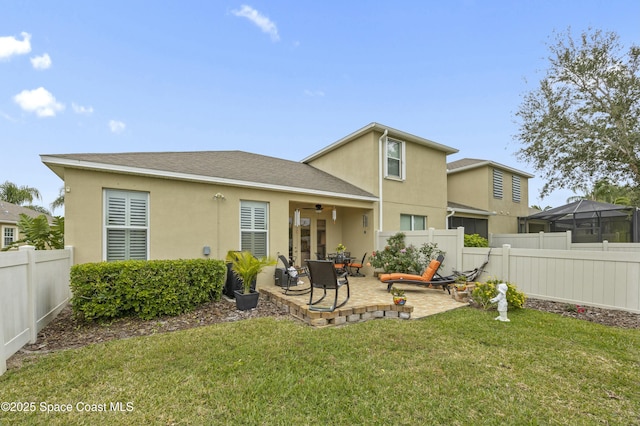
{"x":369,"y":300}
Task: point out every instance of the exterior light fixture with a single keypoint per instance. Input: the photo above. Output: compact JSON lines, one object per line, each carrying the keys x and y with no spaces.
{"x":334,"y":214}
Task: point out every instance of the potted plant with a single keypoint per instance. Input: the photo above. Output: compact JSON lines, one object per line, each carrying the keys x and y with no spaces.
{"x":247,"y":267}
{"x":341,"y":248}
{"x":398,"y":296}
{"x":461,"y":283}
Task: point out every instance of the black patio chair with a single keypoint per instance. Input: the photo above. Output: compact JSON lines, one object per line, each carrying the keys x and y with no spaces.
{"x":291,"y":278}
{"x":357,"y":267}
{"x":323,"y":275}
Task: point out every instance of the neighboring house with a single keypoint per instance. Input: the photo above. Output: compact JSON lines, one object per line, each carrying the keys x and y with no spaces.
{"x":160,"y":205}
{"x":486,"y":197}
{"x":9,"y":218}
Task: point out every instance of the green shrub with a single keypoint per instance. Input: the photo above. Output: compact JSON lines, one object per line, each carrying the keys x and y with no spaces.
{"x":475,"y":240}
{"x":484,"y":292}
{"x":398,"y":257}
{"x":146,"y":289}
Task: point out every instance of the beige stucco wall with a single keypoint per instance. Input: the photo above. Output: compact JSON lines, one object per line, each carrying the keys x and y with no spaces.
{"x":423,"y":192}
{"x":474,"y":188}
{"x":184,"y":217}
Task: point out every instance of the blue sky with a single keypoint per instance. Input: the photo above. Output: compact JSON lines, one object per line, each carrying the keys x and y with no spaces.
{"x":279,"y":78}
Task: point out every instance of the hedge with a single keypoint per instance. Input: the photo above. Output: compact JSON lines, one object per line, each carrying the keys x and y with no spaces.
{"x":146,"y":289}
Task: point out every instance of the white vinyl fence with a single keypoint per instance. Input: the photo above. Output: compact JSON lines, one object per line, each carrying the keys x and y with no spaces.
{"x":34,"y":287}
{"x":607,"y":278}
{"x":556,"y":241}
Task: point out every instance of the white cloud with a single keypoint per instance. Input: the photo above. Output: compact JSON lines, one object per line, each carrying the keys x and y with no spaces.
{"x":40,"y":101}
{"x":264,"y":23}
{"x":314,"y":92}
{"x":41,"y":62}
{"x":117,"y":126}
{"x":10,"y":46}
{"x":79,"y":109}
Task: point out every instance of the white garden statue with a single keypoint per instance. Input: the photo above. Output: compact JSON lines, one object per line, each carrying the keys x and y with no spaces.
{"x":501,"y":298}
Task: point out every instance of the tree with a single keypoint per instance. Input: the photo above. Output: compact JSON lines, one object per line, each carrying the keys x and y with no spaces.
{"x":604,"y":191}
{"x":59,"y":201}
{"x":19,"y":195}
{"x":583,"y":123}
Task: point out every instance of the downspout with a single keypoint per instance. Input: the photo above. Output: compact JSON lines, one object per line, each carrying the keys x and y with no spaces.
{"x":446,"y":219}
{"x":380,"y":177}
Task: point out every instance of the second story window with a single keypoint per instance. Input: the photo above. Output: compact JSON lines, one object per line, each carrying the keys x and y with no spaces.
{"x":515,"y":189}
{"x":497,"y":184}
{"x":394,"y":166}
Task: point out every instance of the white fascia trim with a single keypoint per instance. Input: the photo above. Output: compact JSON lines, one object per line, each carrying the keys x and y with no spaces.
{"x":492,"y":164}
{"x":196,"y":178}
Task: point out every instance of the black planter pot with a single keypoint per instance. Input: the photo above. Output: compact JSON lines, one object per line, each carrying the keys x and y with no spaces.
{"x":244,"y":302}
{"x":233,"y":283}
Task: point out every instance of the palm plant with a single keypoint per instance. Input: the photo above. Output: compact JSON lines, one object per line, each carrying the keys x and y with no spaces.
{"x":247,"y":267}
{"x":38,"y":233}
{"x":19,"y":195}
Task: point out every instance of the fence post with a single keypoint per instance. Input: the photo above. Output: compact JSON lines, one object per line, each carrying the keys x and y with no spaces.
{"x":605,"y":245}
{"x":459,"y":248}
{"x":3,"y":355}
{"x":569,"y":241}
{"x":541,"y":240}
{"x":31,"y":292}
{"x":506,"y":249}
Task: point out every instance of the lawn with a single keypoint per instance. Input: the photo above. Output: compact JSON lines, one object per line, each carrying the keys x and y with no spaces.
{"x":458,"y":367}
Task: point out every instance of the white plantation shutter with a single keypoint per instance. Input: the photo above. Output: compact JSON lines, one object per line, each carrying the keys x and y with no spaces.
{"x":127,"y":225}
{"x":254,"y":227}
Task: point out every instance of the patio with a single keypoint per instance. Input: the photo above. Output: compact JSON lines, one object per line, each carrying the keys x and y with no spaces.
{"x":369,"y":300}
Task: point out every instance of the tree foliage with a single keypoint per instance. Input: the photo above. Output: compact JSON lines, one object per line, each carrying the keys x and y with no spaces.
{"x":37,"y":232}
{"x":19,"y":195}
{"x":583,"y":123}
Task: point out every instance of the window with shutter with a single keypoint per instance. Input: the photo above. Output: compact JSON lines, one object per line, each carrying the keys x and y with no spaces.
{"x":126,"y":225}
{"x":254,"y":221}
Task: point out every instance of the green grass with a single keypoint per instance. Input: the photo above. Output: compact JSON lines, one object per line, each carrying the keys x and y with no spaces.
{"x":458,"y":367}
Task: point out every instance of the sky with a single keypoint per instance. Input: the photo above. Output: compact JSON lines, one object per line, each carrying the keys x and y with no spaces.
{"x":278,"y":78}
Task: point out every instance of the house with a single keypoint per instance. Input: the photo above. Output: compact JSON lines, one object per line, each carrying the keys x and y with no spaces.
{"x":161,"y":205}
{"x":9,"y":218}
{"x":486,"y":197}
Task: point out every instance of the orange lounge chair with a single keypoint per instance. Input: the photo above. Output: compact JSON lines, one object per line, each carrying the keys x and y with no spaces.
{"x":429,"y":277}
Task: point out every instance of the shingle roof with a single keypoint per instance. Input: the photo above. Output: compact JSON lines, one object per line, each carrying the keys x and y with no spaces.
{"x":471,"y":163}
{"x":228,"y":167}
{"x":10,"y":213}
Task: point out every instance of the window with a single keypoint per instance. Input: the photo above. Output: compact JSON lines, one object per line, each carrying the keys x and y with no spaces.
{"x":515,"y":189}
{"x":126,"y":225}
{"x":470,"y":225}
{"x":9,"y":235}
{"x":254,"y":227}
{"x":497,"y":184}
{"x":409,"y":222}
{"x":395,"y":159}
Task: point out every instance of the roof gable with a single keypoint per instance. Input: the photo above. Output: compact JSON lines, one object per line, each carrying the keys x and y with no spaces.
{"x":391,"y":133}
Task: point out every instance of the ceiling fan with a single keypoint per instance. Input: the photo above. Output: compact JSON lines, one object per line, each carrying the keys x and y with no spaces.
{"x":317,"y":208}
